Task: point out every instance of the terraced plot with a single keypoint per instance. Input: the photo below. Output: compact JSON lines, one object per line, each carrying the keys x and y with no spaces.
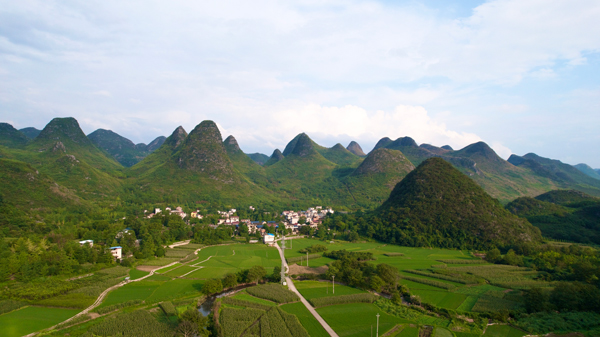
{"x":29,"y":319}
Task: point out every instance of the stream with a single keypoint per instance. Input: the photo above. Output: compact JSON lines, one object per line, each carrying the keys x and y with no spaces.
{"x":206,"y":307}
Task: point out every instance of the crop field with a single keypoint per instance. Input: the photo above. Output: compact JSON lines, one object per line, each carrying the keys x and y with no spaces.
{"x":133,"y":291}
{"x":29,"y":319}
{"x":244,"y":296}
{"x":315,"y":289}
{"x":440,"y":298}
{"x":503,"y":331}
{"x":409,"y":332}
{"x":167,"y":269}
{"x":356,"y":319}
{"x":135,"y":274}
{"x":307,"y":320}
{"x":182,"y":270}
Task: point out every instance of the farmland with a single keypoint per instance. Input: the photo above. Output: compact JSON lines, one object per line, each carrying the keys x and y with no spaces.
{"x":30,"y":319}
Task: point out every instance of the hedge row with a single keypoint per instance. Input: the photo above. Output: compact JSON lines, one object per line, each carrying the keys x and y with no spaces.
{"x":168,"y":308}
{"x":247,"y":304}
{"x":441,"y":276}
{"x":344,"y":299}
{"x":432,"y":283}
{"x":463,"y":261}
{"x":273,"y":292}
{"x":394,"y":254}
{"x":114,"y":307}
{"x":10,"y":305}
{"x":235,"y":321}
{"x":303,"y":258}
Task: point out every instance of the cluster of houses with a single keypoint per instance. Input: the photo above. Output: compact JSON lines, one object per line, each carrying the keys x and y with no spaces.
{"x":115,"y":251}
{"x":177,"y":211}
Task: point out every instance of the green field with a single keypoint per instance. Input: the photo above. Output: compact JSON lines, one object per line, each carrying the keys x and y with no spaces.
{"x":29,"y":319}
{"x":409,"y":332}
{"x":503,"y":331}
{"x":307,"y":320}
{"x":356,"y":319}
{"x":315,"y":289}
{"x":135,"y":274}
{"x":243,"y":295}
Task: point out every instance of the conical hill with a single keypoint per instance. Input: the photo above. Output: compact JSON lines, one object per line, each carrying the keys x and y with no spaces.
{"x":242,"y":162}
{"x":11,"y":137}
{"x":275,"y":157}
{"x":162,"y":155}
{"x":437,"y":205}
{"x":355,"y":148}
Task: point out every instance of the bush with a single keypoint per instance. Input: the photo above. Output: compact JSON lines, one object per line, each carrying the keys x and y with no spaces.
{"x":441,"y":276}
{"x":10,"y":305}
{"x":212,"y":286}
{"x":117,"y":306}
{"x":343,"y":254}
{"x":273,"y":292}
{"x":168,"y":308}
{"x":303,"y":258}
{"x":314,"y":249}
{"x":344,"y":299}
{"x":393,"y":254}
{"x":432,"y":283}
{"x":463,"y":261}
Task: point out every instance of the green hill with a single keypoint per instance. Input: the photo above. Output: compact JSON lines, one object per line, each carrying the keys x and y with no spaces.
{"x":562,"y":215}
{"x":437,"y":205}
{"x":356,"y":149}
{"x":258,"y":158}
{"x":242,"y":163}
{"x":120,"y":148}
{"x":338,"y":154}
{"x":562,"y":175}
{"x":160,"y":156}
{"x":30,"y":132}
{"x":275,"y":157}
{"x":383,"y":142}
{"x":11,"y":137}
{"x":377,"y":175}
{"x":63,"y":152}
{"x":588,"y":170}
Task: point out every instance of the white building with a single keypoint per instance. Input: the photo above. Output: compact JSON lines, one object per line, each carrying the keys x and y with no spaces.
{"x":90,"y":242}
{"x":269,"y":238}
{"x":116,"y":252}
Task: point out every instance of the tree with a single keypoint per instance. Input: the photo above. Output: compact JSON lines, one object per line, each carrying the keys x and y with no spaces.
{"x":376,"y":283}
{"x":536,"y":300}
{"x":388,"y":274}
{"x":212,"y":286}
{"x":230,"y":280}
{"x":196,"y":319}
{"x":187,"y":329}
{"x":276,"y":276}
{"x":256,"y":273}
{"x":493,"y":255}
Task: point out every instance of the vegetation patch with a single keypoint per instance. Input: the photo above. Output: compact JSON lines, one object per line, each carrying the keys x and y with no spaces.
{"x":29,"y":319}
{"x":247,"y":304}
{"x":393,"y":254}
{"x":235,"y":321}
{"x":308,"y":321}
{"x":432,"y":283}
{"x":303,"y":258}
{"x":456,"y":261}
{"x":273,"y":292}
{"x":344,"y":299}
{"x":118,"y":306}
{"x":139,"y":323}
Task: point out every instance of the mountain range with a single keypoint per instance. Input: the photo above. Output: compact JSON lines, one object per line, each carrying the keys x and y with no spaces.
{"x":201,"y":167}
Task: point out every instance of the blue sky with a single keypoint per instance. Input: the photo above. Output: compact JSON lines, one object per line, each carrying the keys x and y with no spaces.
{"x":519,"y":75}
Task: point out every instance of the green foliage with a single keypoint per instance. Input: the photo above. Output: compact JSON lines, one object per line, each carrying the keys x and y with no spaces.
{"x":314,"y":249}
{"x":247,"y":304}
{"x":545,"y":322}
{"x":139,"y":323}
{"x":10,"y":305}
{"x":344,"y":254}
{"x":433,"y":283}
{"x":303,"y":258}
{"x":168,"y":308}
{"x":256,"y":273}
{"x":393,"y":254}
{"x":448,"y":275}
{"x":110,"y":308}
{"x":273,"y":292}
{"x":344,"y":299}
{"x":235,"y":321}
{"x":463,"y":261}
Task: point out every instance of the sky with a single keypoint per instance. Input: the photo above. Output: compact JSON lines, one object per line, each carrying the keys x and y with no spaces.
{"x":521,"y":75}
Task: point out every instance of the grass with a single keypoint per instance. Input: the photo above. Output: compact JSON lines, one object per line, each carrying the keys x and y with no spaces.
{"x":133,"y":291}
{"x":356,"y":319}
{"x":315,"y":289}
{"x":247,"y":297}
{"x":409,"y":332}
{"x":180,"y":271}
{"x":135,"y":274}
{"x":166,"y":270}
{"x":307,"y":320}
{"x":29,"y":319}
{"x":503,"y":331}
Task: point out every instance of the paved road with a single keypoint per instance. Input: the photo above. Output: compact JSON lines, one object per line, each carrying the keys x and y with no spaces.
{"x":304,"y":301}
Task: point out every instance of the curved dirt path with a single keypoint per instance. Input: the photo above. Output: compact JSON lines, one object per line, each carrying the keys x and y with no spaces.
{"x":302,"y":299}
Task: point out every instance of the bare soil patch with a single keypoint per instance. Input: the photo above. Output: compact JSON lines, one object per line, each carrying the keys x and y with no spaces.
{"x":146,"y":268}
{"x":296,"y":269}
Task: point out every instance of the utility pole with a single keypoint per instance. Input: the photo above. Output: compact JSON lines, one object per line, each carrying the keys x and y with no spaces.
{"x":377,"y":335}
{"x":333,"y":283}
{"x":307,"y":259}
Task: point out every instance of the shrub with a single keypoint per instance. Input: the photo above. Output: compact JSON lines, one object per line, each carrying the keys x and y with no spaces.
{"x":314,"y":249}
{"x":471,"y":280}
{"x":342,"y":254}
{"x":463,"y":261}
{"x":393,"y":254}
{"x":430,"y":282}
{"x":344,"y":299}
{"x":212,"y":286}
{"x":10,"y":305}
{"x":273,"y":292}
{"x":168,"y":308}
{"x":303,"y":258}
